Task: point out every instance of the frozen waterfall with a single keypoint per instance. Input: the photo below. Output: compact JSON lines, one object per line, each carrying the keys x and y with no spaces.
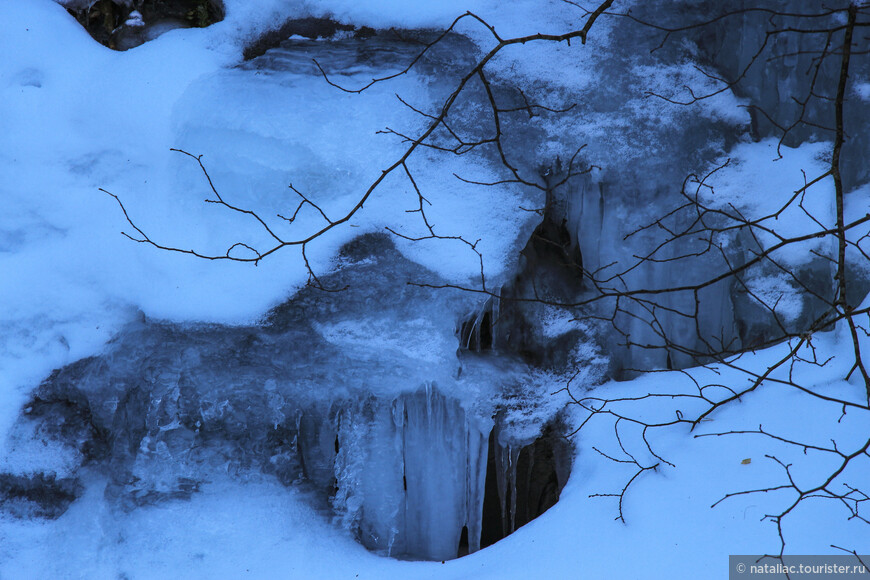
{"x":396,"y":443}
{"x":410,"y":473}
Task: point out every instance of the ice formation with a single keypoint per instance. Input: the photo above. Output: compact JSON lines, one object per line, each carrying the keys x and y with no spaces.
{"x":397,"y":444}
{"x":419,"y":420}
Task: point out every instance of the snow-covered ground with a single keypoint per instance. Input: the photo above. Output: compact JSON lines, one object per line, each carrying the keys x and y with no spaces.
{"x":75,"y":117}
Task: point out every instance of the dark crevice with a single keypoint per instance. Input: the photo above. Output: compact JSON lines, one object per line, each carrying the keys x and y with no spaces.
{"x":550,"y":269}
{"x":529,"y":490}
{"x":120,"y":26}
{"x":476,"y":331}
{"x":463,"y":543}
{"x":310,"y":28}
{"x":38,"y":495}
{"x":64,"y":414}
{"x":491,"y":527}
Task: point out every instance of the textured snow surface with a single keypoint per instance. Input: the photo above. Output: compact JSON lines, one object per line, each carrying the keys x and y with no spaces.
{"x":760,"y":178}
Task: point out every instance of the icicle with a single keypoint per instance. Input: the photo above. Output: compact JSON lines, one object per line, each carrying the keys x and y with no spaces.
{"x":501,"y":483}
{"x":369,"y":468}
{"x":475,"y":478}
{"x":513,"y":455}
{"x":435,"y":463}
{"x":411,"y":474}
{"x":476,"y":331}
{"x":496,"y":313}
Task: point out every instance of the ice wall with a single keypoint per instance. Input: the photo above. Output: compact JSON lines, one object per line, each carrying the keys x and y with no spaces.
{"x":601,"y":214}
{"x":410,"y":474}
{"x":779,"y":82}
{"x":644,"y":137}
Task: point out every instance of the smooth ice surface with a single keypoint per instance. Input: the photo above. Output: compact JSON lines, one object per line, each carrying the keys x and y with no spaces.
{"x":412,"y":474}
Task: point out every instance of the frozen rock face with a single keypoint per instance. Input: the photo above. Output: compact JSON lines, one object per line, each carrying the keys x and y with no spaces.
{"x":599,"y":214}
{"x":637,"y":151}
{"x":643,"y":148}
{"x":582,"y":235}
{"x":303,"y":28}
{"x":780,"y":80}
{"x":379,"y":418}
{"x":37,"y":495}
{"x":359,"y":395}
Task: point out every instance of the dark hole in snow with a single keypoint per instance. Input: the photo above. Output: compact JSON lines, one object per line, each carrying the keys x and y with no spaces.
{"x":122,"y":25}
{"x":476,"y":330}
{"x":310,"y":28}
{"x":522,"y":483}
{"x":37,"y":495}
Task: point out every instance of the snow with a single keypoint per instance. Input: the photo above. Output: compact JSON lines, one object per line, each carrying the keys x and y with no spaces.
{"x":760,"y":178}
{"x":75,"y":116}
{"x":672,"y":82}
{"x":134,"y":19}
{"x":778,"y":293}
